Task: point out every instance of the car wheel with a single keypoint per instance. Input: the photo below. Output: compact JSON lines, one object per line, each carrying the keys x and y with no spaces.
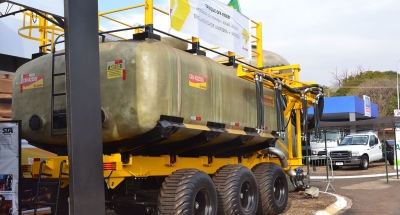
{"x":390,"y":158}
{"x":334,"y":167}
{"x":364,"y":163}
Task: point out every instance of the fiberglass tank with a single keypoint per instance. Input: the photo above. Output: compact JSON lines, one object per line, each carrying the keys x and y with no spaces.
{"x":141,"y":81}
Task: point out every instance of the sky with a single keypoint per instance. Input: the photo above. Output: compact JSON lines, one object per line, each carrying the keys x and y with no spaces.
{"x":322,"y":36}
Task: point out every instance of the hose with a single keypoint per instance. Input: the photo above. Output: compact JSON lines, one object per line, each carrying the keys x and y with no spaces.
{"x":259,"y":103}
{"x":280,"y":101}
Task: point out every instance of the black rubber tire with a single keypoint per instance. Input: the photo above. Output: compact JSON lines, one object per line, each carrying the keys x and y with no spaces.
{"x":273,"y":186}
{"x":334,"y":167}
{"x":237,"y":190}
{"x":187,"y":192}
{"x":364,"y":162}
{"x":390,"y":158}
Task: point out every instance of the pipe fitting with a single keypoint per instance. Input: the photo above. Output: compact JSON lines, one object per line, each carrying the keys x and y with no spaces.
{"x":282,"y":159}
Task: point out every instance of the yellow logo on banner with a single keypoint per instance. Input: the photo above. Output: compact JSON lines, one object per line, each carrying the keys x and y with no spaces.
{"x":180,"y":14}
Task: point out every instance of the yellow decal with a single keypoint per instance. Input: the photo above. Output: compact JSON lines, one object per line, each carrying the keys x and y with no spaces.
{"x":269,"y":100}
{"x":197,"y":81}
{"x":179,"y":15}
{"x":116,"y":69}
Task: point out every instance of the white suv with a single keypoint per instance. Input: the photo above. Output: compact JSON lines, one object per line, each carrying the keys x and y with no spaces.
{"x":356,"y":150}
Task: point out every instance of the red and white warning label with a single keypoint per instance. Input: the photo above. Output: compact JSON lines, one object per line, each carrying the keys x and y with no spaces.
{"x":197,"y":81}
{"x":31,"y":81}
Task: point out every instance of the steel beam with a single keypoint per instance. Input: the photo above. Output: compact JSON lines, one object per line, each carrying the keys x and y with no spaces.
{"x":83,"y":108}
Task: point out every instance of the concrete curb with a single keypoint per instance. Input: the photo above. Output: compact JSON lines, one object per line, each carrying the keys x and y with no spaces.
{"x":335,"y":207}
{"x":365,"y":176}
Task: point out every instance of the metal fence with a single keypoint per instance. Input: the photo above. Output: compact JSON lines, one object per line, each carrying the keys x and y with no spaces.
{"x":319,"y":169}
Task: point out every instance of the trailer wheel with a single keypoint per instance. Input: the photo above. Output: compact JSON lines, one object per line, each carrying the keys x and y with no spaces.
{"x":273,"y":188}
{"x":237,"y":190}
{"x":187,"y":192}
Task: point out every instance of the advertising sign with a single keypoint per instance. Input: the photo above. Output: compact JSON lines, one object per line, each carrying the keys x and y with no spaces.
{"x":367,"y":106}
{"x":213,"y":22}
{"x":9,"y":167}
{"x":397,"y":146}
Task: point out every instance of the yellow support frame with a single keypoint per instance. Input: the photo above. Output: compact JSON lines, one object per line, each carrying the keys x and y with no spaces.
{"x":141,"y":166}
{"x":145,"y":166}
{"x":294,"y":101}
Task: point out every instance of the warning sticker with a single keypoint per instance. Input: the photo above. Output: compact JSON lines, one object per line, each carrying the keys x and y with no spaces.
{"x":31,"y":81}
{"x":269,"y":100}
{"x":116,"y":69}
{"x":197,"y":81}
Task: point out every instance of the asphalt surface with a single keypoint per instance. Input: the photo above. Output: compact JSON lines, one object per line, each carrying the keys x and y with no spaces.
{"x":372,"y":195}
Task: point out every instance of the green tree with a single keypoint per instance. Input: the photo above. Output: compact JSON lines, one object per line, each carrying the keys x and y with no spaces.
{"x":380,"y":86}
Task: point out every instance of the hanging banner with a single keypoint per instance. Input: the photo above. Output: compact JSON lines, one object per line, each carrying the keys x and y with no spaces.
{"x":9,"y":167}
{"x":397,"y":146}
{"x":367,"y":106}
{"x":213,"y":22}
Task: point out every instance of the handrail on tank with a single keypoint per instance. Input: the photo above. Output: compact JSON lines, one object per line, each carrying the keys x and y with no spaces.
{"x":43,"y":27}
{"x":121,"y":9}
{"x":148,"y":16}
{"x":46,"y":40}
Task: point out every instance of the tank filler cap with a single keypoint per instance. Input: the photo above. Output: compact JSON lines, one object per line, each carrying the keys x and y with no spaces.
{"x":35,"y":122}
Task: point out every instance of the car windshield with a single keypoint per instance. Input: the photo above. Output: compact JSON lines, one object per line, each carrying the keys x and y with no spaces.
{"x":354,"y":140}
{"x":391,"y":142}
{"x":330,"y":135}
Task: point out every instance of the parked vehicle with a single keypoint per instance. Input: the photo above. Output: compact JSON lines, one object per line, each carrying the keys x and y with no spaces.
{"x":332,"y":138}
{"x":356,"y":150}
{"x":389,"y":151}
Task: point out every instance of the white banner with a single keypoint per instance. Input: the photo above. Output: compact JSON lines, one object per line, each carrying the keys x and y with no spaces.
{"x":397,"y":148}
{"x":213,"y":22}
{"x":9,"y":168}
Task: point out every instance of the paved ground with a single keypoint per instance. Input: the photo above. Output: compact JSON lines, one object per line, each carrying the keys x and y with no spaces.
{"x":370,"y":195}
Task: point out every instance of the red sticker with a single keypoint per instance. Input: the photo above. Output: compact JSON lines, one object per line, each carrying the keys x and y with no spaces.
{"x":124,"y":74}
{"x":197,"y":118}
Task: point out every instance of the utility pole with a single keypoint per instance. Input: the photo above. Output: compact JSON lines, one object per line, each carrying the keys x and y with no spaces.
{"x":85,"y":148}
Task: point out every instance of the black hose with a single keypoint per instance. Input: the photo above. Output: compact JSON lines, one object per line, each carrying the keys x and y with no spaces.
{"x":280,"y":101}
{"x":259,"y":103}
{"x":313,"y":120}
{"x":278,"y":109}
{"x":304,"y":115}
